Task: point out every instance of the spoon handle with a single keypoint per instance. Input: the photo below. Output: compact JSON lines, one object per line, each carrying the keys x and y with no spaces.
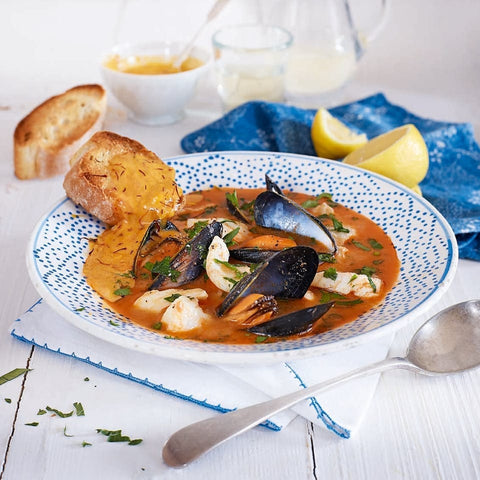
{"x":217,"y":7}
{"x":192,"y":441}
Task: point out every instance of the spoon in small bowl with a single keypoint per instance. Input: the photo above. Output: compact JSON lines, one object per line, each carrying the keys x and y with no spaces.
{"x":217,"y":7}
{"x":447,"y":343}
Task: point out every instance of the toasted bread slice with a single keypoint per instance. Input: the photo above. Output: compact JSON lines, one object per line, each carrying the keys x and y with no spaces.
{"x":114,"y":177}
{"x":46,"y":138}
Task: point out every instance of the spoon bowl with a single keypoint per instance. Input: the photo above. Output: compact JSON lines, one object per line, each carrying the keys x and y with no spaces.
{"x":447,"y":343}
{"x":450,"y":341}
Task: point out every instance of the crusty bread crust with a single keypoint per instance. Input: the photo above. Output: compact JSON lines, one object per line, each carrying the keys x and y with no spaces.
{"x":47,"y":137}
{"x":87,"y":182}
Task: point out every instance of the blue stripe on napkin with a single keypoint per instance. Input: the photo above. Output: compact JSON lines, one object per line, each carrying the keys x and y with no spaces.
{"x":452,"y":184}
{"x":204,"y":403}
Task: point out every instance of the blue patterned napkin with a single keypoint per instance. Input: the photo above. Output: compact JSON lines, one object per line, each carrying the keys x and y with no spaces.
{"x":452,"y":183}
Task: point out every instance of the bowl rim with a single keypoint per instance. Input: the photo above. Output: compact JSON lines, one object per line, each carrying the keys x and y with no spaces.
{"x":204,"y":52}
{"x":285,"y":45}
{"x":264,"y":357}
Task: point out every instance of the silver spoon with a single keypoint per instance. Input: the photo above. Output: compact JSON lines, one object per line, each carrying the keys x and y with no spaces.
{"x":447,"y":343}
{"x":217,"y":7}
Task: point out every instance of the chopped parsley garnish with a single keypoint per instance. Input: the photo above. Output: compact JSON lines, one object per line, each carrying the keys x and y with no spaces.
{"x":13,"y":374}
{"x":330,"y":273}
{"x":348,"y":303}
{"x":80,"y":309}
{"x":210,"y":210}
{"x":136,"y":441}
{"x":157,"y":326}
{"x":196,"y":228}
{"x":114,"y":324}
{"x":248,"y":206}
{"x":228,"y":238}
{"x":41,"y":411}
{"x":374,"y":244}
{"x":231,"y":280}
{"x":232,"y":198}
{"x":123,"y":291}
{"x":338,"y":225}
{"x":361,"y":246}
{"x":377,"y":262}
{"x":326,"y":258}
{"x":233,"y":268}
{"x":116,"y":436}
{"x":353,"y":277}
{"x":8,"y":400}
{"x":33,"y":424}
{"x":59,"y":413}
{"x":79,"y":409}
{"x":163,"y":268}
{"x":313,"y":202}
{"x":86,"y":379}
{"x":310,"y":203}
{"x":369,"y":271}
{"x":327,"y":297}
{"x":86,"y":444}
{"x":173,"y":297}
{"x":260,"y":338}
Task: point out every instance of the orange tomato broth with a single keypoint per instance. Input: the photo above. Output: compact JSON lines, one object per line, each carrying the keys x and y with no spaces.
{"x":219,"y":329}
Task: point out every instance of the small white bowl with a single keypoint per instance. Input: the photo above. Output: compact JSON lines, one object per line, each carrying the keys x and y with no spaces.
{"x":157,"y":99}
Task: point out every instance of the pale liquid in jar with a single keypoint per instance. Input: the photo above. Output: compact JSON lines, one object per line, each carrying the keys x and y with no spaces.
{"x":313,"y":72}
{"x":238,"y":84}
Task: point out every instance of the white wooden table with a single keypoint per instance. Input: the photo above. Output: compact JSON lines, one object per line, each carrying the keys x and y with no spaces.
{"x":427,"y":58}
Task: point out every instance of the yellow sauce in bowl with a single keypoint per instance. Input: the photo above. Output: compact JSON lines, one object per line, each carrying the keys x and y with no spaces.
{"x":149,"y":64}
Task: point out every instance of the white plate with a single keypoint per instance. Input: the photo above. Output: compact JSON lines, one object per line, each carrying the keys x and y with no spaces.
{"x":424,"y":241}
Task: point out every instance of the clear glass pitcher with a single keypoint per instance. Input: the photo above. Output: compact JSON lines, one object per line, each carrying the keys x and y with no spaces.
{"x":326,"y":45}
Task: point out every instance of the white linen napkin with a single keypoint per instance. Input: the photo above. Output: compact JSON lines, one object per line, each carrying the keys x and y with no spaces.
{"x":221,"y":388}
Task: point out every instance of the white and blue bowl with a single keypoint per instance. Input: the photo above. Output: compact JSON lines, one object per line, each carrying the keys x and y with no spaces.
{"x":423,"y":239}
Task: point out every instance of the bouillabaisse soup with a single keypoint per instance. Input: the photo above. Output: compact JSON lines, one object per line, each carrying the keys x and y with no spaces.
{"x":249,"y":266}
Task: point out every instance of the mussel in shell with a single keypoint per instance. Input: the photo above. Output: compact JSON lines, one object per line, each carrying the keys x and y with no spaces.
{"x":253,"y":309}
{"x":272,"y":186}
{"x":236,"y":212}
{"x":188,"y":263}
{"x":276,"y":211}
{"x":287,"y":274}
{"x":293,"y":323}
{"x":251,"y":254}
{"x":157,"y":233}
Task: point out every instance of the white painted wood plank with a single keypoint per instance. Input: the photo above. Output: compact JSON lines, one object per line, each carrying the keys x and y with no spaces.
{"x":416,"y":427}
{"x":114,"y":403}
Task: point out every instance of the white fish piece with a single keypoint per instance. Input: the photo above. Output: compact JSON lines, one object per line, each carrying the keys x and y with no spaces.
{"x":342,"y":237}
{"x":154,"y":301}
{"x":348,"y":282}
{"x":184,"y":314}
{"x":321,"y":209}
{"x":217,"y":272}
{"x":228,"y":226}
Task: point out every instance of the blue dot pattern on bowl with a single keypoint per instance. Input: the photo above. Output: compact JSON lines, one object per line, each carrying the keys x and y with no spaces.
{"x":424,"y":242}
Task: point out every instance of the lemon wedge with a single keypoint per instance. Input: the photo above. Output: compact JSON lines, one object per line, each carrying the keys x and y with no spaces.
{"x":400,"y":154}
{"x":331,"y":138}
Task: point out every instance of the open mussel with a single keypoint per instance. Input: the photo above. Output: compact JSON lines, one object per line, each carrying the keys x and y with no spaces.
{"x":287,"y":274}
{"x":276,"y":211}
{"x":188,"y":263}
{"x":253,"y":309}
{"x":293,"y":323}
{"x":234,"y":209}
{"x":272,"y":186}
{"x":157,"y":235}
{"x":251,"y":254}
